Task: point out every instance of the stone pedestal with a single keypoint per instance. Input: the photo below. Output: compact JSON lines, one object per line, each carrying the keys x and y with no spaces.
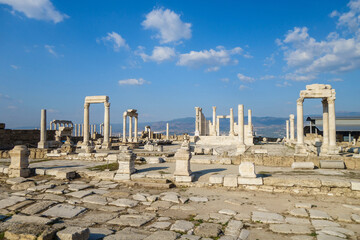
{"x":19,"y":166}
{"x":126,"y":160}
{"x":182,"y":167}
{"x":247,"y":170}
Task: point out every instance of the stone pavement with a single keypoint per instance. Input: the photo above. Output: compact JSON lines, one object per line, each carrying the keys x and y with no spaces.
{"x":95,"y":209}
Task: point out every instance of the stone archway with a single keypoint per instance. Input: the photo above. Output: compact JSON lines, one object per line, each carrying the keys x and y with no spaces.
{"x":97,"y":99}
{"x":327,"y":94}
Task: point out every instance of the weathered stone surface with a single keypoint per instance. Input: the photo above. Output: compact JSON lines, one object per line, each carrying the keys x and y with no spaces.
{"x":199,"y":199}
{"x":297,"y":221}
{"x":16,"y":180}
{"x":303,"y":205}
{"x":323,"y":236}
{"x":78,"y":187}
{"x":99,"y":233}
{"x":26,"y":231}
{"x":247,"y":170}
{"x":98,"y":217}
{"x":231,"y":180}
{"x":210,"y":230}
{"x":123,"y":202}
{"x":182,"y":226}
{"x":244,"y":234}
{"x":332,"y":233}
{"x":170,"y":198}
{"x":317,"y":214}
{"x":129,"y":234}
{"x":52,"y":197}
{"x":95,"y":199}
{"x":37,"y":207}
{"x":290,"y":228}
{"x":355,"y":217}
{"x":299,"y":212}
{"x":266,"y":217}
{"x":335,"y":164}
{"x":318,"y":224}
{"x":355,"y":185}
{"x":216,"y":179}
{"x":250,"y":181}
{"x":228,"y":212}
{"x":233,"y":228}
{"x":23,"y":186}
{"x":29,"y":219}
{"x":335,"y":183}
{"x":142,"y":197}
{"x":219,"y":218}
{"x":340,"y":230}
{"x":189,"y":237}
{"x":64,"y":211}
{"x":20,"y":205}
{"x":131,"y":220}
{"x":302,"y":165}
{"x":73,"y":233}
{"x":7,"y":202}
{"x":160,"y":225}
{"x":80,"y":194}
{"x":163,"y":235}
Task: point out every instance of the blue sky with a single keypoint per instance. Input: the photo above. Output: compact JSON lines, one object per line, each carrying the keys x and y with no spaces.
{"x":166,"y":57}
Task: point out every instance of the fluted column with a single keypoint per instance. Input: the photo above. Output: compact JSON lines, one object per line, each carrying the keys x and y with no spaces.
{"x":86,"y":127}
{"x":106,"y":142}
{"x":136,"y":130}
{"x":130,"y":128}
{"x":300,"y":121}
{"x":332,"y":124}
{"x":42,"y":143}
{"x":292,"y":127}
{"x":325,"y":143}
{"x":214,"y":121}
{"x":287,"y":129}
{"x":197,"y":133}
{"x":124,"y":127}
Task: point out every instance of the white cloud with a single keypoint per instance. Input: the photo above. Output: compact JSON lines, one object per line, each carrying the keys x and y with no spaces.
{"x":212,"y":69}
{"x":169,"y":25}
{"x":299,"y":78}
{"x":225,"y":79}
{"x":115,"y":40}
{"x":14,"y":67}
{"x":212,"y":58}
{"x":336,"y":80}
{"x":267,"y":77}
{"x":159,"y":54}
{"x":133,"y":81}
{"x":308,"y":57}
{"x":51,"y":50}
{"x":244,"y":78}
{"x":36,"y":9}
{"x":284,"y":84}
{"x":243,"y":87}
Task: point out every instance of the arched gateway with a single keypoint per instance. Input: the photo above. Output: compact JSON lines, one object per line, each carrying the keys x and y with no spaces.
{"x":327,"y":94}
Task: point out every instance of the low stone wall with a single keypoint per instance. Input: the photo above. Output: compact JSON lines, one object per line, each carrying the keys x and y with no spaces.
{"x":9,"y":138}
{"x":35,"y":153}
{"x":286,"y":161}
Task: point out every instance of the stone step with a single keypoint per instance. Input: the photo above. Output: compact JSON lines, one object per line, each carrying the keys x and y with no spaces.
{"x":152,"y":180}
{"x":154,"y":185}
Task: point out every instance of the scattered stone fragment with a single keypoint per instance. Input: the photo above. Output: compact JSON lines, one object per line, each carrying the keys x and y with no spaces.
{"x":26,"y":231}
{"x":41,"y":187}
{"x":52,"y":197}
{"x":340,"y":230}
{"x":210,"y":230}
{"x":168,"y":235}
{"x":228,"y":212}
{"x":353,"y":207}
{"x":290,"y":229}
{"x":73,"y":233}
{"x":355,"y":217}
{"x":199,"y":199}
{"x":244,"y":234}
{"x":129,"y":233}
{"x":37,"y":207}
{"x":266,"y":217}
{"x":323,"y":236}
{"x":98,"y":217}
{"x":123,"y":202}
{"x":233,"y":228}
{"x":64,"y":211}
{"x":16,"y":180}
{"x":243,"y":216}
{"x":152,"y":198}
{"x":183,"y":199}
{"x":318,"y":224}
{"x":316,"y":214}
{"x":142,"y":197}
{"x":303,"y":205}
{"x":220,"y":218}
{"x":301,"y":237}
{"x":182,"y":226}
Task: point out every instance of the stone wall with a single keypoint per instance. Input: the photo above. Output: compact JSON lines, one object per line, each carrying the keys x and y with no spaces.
{"x":9,"y":138}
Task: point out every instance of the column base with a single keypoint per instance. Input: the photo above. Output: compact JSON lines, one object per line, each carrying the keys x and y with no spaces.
{"x":43,"y":145}
{"x":333,"y":150}
{"x":179,"y":178}
{"x":197,"y":133}
{"x":106,"y":146}
{"x":300,"y":150}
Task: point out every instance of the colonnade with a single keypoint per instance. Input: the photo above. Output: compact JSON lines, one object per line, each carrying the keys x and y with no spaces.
{"x":131,"y":114}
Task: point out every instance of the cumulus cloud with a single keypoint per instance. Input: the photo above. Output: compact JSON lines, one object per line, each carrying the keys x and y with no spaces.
{"x":133,"y":81}
{"x":36,"y":9}
{"x":244,"y":78}
{"x":309,"y":57}
{"x":168,"y":24}
{"x":115,"y":40}
{"x":159,"y":54}
{"x":214,"y":59}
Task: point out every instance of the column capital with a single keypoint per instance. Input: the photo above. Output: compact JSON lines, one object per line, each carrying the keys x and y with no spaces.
{"x":107,"y":104}
{"x":214,"y":107}
{"x":86,"y":105}
{"x":331,"y":100}
{"x":300,"y":101}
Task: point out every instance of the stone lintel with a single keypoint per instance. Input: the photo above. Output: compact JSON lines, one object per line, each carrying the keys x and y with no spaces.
{"x":96,"y":99}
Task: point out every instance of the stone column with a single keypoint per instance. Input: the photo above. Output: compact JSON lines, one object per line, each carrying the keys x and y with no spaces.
{"x":197,"y":133}
{"x":82,"y":130}
{"x":231,"y":133}
{"x":325,"y":143}
{"x":292,"y":127}
{"x":167,"y":131}
{"x":110,"y":130}
{"x":43,"y":143}
{"x":94,"y":127}
{"x":214,"y":121}
{"x":250,"y":119}
{"x":50,"y":127}
{"x":241,"y":147}
{"x":300,"y":121}
{"x":106,"y":143}
{"x":287,"y":129}
{"x":75,"y":129}
{"x":218,"y":127}
{"x":124,"y":127}
{"x":332,"y":127}
{"x":136,"y":130}
{"x":86,"y":127}
{"x":130,"y":128}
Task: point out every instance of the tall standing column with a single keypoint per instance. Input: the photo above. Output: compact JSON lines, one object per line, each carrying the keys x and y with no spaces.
{"x":332,"y":126}
{"x":75,"y":129}
{"x":50,"y":126}
{"x":167,"y":131}
{"x":214,"y":121}
{"x":241,"y":147}
{"x":325,"y":143}
{"x":300,"y":121}
{"x":250,"y":120}
{"x":287,"y":129}
{"x":292,"y":127}
{"x":95,"y":127}
{"x":82,"y":130}
{"x":136,"y":129}
{"x":86,"y":127}
{"x":197,"y":133}
{"x":130,"y":128}
{"x":43,"y":143}
{"x":106,"y":143}
{"x":110,"y":130}
{"x":124,"y":127}
{"x":218,"y":127}
{"x":231,"y":133}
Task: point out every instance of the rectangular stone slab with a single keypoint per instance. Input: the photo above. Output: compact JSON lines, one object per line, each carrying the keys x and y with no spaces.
{"x":64,"y":211}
